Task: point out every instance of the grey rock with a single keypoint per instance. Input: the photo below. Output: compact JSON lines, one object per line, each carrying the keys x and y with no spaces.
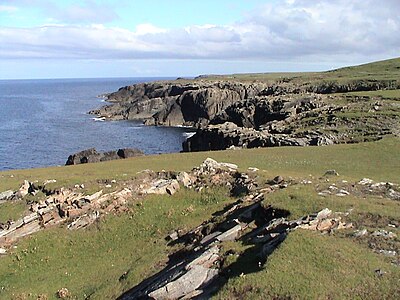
{"x":360,"y":233}
{"x":23,"y":190}
{"x":6,"y":195}
{"x":92,"y":155}
{"x":331,"y":173}
{"x":323,"y":214}
{"x":230,"y":235}
{"x":163,"y":186}
{"x":387,"y":252}
{"x":129,"y":152}
{"x":384,"y":233}
{"x":187,"y":283}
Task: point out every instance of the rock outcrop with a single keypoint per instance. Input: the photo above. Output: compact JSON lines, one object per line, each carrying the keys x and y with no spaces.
{"x":176,"y":103}
{"x":92,"y":155}
{"x":227,"y":135}
{"x":280,"y":112}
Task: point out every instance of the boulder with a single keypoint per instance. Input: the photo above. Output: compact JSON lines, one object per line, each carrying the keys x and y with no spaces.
{"x":162,"y":187}
{"x":85,"y":156}
{"x":6,"y":195}
{"x":129,"y":152}
{"x":23,"y":190}
{"x":92,"y":155}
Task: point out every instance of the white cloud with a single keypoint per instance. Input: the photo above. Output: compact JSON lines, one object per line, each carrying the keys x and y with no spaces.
{"x":8,"y":8}
{"x":287,"y":30}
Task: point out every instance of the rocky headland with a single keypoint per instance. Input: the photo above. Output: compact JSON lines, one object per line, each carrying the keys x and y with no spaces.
{"x":263,"y":111}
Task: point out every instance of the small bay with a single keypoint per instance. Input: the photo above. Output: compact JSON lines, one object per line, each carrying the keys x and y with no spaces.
{"x":44,"y":121}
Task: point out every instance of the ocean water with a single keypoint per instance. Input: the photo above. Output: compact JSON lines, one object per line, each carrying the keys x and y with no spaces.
{"x":44,"y":121}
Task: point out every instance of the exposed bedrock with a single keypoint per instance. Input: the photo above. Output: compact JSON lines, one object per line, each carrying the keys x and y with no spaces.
{"x":175,"y":103}
{"x":255,"y":114}
{"x":228,"y":135}
{"x":194,"y":103}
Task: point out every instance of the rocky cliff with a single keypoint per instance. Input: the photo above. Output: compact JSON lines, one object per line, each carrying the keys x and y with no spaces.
{"x":254,"y":113}
{"x":176,"y":103}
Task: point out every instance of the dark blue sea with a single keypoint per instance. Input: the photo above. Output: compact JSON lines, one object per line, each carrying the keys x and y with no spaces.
{"x":44,"y":121}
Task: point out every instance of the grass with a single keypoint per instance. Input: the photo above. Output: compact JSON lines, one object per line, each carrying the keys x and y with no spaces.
{"x":119,"y":251}
{"x":308,"y":265}
{"x":384,"y":94}
{"x":377,"y":160}
{"x":12,"y":210}
{"x":387,"y":70}
{"x":91,"y":262}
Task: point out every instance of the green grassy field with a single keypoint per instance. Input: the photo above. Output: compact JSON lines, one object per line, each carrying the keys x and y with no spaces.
{"x":90,"y":262}
{"x":382,"y":70}
{"x":119,"y":251}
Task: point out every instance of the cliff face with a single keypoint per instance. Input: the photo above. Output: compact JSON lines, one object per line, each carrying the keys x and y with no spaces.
{"x":281,"y":112}
{"x":174,"y":103}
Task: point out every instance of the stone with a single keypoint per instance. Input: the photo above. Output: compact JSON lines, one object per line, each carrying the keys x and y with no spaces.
{"x":331,"y":173}
{"x":326,"y":224}
{"x":384,"y":233}
{"x":277,"y":180}
{"x":360,"y":233}
{"x":230,"y":235}
{"x":84,"y":221}
{"x":342,"y":193}
{"x":253,"y":169}
{"x":187,"y":283}
{"x":23,"y":190}
{"x":185,"y":179}
{"x":387,"y":252}
{"x":365,"y":181}
{"x":394,"y":194}
{"x":63,"y":293}
{"x":86,"y":156}
{"x":92,"y":155}
{"x":380,"y":272}
{"x":173,"y":236}
{"x":129,"y":152}
{"x":49,"y":181}
{"x":323,"y":214}
{"x":210,"y":237}
{"x":3,"y":251}
{"x":163,"y":186}
{"x":6,"y":195}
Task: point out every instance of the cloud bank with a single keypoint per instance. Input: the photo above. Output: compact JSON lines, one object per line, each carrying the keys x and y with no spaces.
{"x":284,"y":30}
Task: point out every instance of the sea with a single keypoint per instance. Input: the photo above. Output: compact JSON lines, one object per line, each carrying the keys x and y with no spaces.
{"x":43,"y":121}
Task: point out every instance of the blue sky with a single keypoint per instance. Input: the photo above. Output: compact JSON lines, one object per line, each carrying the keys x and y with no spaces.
{"x":93,"y":38}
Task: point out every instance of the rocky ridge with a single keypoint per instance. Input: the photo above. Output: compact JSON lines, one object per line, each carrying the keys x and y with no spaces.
{"x":277,"y":113}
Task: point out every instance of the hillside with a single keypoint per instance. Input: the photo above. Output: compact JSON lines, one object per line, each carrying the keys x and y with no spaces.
{"x":260,"y":223}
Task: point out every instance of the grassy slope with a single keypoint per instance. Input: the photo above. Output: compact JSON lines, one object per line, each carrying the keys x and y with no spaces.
{"x":382,"y":70}
{"x":307,"y":265}
{"x":91,"y":261}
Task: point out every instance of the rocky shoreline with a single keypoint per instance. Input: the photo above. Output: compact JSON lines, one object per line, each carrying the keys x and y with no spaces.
{"x":269,"y":113}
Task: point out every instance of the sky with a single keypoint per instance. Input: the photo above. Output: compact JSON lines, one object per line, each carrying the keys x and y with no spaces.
{"x":172,"y":38}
